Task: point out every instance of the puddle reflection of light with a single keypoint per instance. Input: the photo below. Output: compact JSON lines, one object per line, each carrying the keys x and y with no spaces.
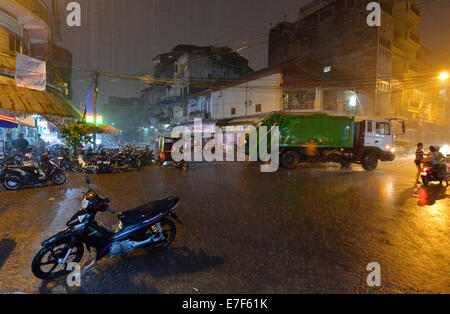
{"x":434,"y":208}
{"x":388,"y":190}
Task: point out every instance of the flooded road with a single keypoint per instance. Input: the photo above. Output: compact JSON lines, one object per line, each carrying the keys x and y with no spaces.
{"x":310,"y":230}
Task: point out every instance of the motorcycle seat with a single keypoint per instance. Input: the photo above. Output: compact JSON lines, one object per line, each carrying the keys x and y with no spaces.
{"x":148,"y":211}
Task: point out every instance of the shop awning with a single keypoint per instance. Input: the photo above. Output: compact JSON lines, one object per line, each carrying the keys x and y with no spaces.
{"x":101,"y":129}
{"x":23,"y":100}
{"x":8,"y":122}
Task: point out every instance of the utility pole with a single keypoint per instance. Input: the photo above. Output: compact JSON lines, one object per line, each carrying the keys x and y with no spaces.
{"x":95,"y":76}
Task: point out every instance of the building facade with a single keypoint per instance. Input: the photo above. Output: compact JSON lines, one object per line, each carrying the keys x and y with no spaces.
{"x":186,"y":71}
{"x":383,"y":65}
{"x":279,"y":88}
{"x":26,"y":28}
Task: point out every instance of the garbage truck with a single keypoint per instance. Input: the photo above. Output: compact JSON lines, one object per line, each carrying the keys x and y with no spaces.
{"x":321,"y":137}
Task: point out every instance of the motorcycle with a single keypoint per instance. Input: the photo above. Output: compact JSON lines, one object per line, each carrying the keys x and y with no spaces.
{"x":430,"y":173}
{"x":182,"y":165}
{"x":103,"y":163}
{"x":67,"y":163}
{"x":149,"y":227}
{"x":13,"y":177}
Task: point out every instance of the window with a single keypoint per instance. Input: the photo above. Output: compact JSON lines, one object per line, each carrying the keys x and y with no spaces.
{"x":233,"y":111}
{"x":383,"y":128}
{"x":350,"y":4}
{"x":326,"y":14}
{"x":258,"y":108}
{"x":369,"y":127}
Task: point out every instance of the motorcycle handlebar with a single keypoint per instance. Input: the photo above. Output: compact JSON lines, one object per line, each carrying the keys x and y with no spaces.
{"x":110,"y":210}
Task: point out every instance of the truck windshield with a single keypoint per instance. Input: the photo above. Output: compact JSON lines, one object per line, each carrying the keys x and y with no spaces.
{"x":383,"y":128}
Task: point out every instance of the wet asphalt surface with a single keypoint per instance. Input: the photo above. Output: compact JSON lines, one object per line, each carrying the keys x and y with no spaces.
{"x":310,"y":230}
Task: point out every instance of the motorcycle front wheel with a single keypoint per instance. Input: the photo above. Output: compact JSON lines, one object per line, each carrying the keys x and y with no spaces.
{"x":58,"y":178}
{"x":12,"y":183}
{"x":168,"y":231}
{"x":46,"y":266}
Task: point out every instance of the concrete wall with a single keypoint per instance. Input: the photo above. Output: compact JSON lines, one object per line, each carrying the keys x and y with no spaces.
{"x":245,"y":98}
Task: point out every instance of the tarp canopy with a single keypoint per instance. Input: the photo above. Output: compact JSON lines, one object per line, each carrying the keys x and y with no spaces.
{"x":23,"y":100}
{"x":8,"y":122}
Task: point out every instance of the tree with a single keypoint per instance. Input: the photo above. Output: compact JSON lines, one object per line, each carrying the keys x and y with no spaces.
{"x":75,"y":135}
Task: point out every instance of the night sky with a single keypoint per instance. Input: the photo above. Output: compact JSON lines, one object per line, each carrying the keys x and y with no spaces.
{"x":123,"y":36}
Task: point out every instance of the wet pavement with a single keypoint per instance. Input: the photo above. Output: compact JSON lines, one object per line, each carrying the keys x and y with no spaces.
{"x":310,"y":230}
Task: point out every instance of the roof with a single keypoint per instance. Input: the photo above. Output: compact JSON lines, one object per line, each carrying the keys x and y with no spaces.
{"x":23,"y":100}
{"x":300,"y":72}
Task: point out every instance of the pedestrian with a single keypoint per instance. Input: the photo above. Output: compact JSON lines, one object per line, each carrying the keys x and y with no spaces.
{"x":21,"y":144}
{"x":418,"y":160}
{"x":40,"y":144}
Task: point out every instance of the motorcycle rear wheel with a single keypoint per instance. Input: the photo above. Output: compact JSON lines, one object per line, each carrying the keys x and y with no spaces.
{"x":169,"y":231}
{"x":76,"y":167}
{"x":54,"y":253}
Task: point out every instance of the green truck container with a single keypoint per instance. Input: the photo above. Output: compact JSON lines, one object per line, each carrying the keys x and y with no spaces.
{"x":323,"y":137}
{"x":321,"y":129}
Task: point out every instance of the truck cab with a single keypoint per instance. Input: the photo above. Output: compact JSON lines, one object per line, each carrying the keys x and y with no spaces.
{"x":374,"y":140}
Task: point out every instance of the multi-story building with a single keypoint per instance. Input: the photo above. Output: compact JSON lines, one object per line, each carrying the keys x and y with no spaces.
{"x":26,"y":28}
{"x":187,"y":70}
{"x":383,"y":65}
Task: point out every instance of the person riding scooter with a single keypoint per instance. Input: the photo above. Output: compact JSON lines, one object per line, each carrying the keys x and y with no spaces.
{"x":435,"y":161}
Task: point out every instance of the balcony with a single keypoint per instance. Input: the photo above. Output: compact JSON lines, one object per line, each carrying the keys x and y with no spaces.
{"x":37,"y":7}
{"x":33,"y":16}
{"x":413,"y":12}
{"x":412,"y":41}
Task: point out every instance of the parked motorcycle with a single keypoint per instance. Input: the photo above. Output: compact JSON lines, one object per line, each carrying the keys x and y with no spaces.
{"x":147,"y":227}
{"x":13,"y":177}
{"x":430,"y":173}
{"x":102,"y":163}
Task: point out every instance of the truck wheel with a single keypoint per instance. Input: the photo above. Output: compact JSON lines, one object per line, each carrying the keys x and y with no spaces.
{"x":370,"y":161}
{"x":290,"y":159}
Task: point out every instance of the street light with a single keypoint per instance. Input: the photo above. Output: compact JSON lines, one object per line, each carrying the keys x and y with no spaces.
{"x":444,"y":76}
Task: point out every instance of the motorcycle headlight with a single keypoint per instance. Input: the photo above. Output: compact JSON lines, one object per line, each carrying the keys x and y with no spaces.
{"x":84,"y":203}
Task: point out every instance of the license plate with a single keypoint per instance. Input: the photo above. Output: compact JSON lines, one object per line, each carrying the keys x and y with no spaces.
{"x":424,"y":174}
{"x":60,"y":158}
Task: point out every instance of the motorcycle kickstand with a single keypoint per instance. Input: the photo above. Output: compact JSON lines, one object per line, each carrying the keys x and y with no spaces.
{"x":88,"y":267}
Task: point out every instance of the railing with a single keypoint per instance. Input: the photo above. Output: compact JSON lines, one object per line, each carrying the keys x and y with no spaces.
{"x":413,"y":37}
{"x":37,"y":7}
{"x":413,"y":8}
